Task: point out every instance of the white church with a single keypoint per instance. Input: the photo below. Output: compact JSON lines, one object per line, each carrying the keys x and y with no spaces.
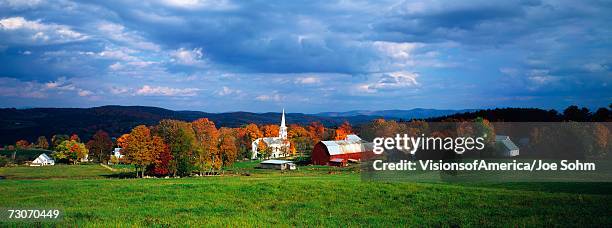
{"x":279,"y":145}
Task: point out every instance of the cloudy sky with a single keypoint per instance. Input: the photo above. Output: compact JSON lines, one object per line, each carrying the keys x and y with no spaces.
{"x":308,"y":56}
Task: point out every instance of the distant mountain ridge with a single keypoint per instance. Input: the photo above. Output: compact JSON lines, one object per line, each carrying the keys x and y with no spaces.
{"x":30,"y":123}
{"x":417,"y":113}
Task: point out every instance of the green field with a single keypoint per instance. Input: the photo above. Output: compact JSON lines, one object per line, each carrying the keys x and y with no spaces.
{"x":311,"y":196}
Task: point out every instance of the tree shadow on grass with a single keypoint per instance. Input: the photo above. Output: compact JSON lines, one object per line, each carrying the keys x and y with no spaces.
{"x":122,"y":175}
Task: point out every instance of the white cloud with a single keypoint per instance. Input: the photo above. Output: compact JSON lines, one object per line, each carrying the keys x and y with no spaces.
{"x":595,"y":67}
{"x":21,"y":4}
{"x":85,"y":93}
{"x":228,"y":91}
{"x":64,"y":85}
{"x":147,"y":90}
{"x":11,"y":87}
{"x":389,"y":81}
{"x":509,"y":71}
{"x":119,"y":33}
{"x":398,"y":51}
{"x":188,"y":57}
{"x":200,"y":4}
{"x":119,"y":90}
{"x":22,"y":31}
{"x":308,"y":80}
{"x":269,"y":97}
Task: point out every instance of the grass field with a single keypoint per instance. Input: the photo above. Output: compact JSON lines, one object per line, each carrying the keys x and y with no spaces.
{"x":309,"y":197}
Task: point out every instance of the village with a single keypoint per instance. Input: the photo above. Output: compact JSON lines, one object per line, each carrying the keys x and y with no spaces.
{"x":282,"y":148}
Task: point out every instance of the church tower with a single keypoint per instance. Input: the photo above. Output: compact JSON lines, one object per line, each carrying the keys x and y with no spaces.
{"x":282,"y":130}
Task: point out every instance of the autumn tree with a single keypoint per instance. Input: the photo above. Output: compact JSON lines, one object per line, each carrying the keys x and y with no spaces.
{"x":122,"y":140}
{"x":227,"y":146}
{"x":379,"y":128}
{"x":343,"y":130}
{"x":163,"y":157}
{"x":180,"y":137}
{"x":263,"y":150}
{"x":207,"y":145}
{"x":270,"y":130}
{"x":139,"y":148}
{"x":42,"y":143}
{"x":22,"y":144}
{"x":253,"y":132}
{"x":100,"y":145}
{"x":75,"y":137}
{"x":70,"y":150}
{"x":58,"y":139}
{"x":317,"y":131}
{"x":300,"y":142}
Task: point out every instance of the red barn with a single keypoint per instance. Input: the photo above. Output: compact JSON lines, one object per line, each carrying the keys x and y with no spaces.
{"x":340,"y":151}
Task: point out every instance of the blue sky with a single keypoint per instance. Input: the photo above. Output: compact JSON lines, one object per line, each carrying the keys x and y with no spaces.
{"x":305,"y":56}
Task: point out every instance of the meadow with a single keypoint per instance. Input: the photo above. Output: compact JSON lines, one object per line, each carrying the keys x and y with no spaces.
{"x":92,"y":195}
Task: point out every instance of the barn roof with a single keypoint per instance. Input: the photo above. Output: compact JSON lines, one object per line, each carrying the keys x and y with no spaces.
{"x":353,"y":144}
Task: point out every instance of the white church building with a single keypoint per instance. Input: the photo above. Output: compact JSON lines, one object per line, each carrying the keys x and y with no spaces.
{"x":279,"y":145}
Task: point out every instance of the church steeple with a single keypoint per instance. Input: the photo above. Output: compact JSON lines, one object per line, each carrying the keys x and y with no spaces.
{"x":282,"y":130}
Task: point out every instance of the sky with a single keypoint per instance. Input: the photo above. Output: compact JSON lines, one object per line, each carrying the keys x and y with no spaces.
{"x":305,"y":56}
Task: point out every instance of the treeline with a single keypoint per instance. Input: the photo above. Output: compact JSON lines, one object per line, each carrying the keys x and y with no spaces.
{"x":571,"y":113}
{"x":181,"y":148}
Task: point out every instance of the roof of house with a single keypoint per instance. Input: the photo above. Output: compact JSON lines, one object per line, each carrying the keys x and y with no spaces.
{"x":505,"y":140}
{"x":276,"y":162}
{"x":44,"y":156}
{"x":353,"y":144}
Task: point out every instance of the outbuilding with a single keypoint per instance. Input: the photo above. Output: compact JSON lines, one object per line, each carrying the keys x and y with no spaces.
{"x":339,"y":152}
{"x":505,"y":146}
{"x":43,"y":160}
{"x":277,"y":164}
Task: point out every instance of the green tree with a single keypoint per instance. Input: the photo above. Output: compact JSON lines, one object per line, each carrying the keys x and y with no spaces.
{"x":180,"y":137}
{"x":71,"y":150}
{"x":57,"y":139}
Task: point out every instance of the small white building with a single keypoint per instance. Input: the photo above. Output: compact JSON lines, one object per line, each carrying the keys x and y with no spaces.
{"x":279,"y":145}
{"x":117,"y":152}
{"x":505,"y":146}
{"x":277,"y":164}
{"x":43,"y":160}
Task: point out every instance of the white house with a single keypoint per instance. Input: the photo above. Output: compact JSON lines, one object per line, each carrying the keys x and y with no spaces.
{"x":43,"y":160}
{"x":506,"y":148}
{"x":279,"y":145}
{"x":117,"y":152}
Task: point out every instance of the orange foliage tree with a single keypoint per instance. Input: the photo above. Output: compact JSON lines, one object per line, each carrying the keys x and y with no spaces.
{"x":139,"y":148}
{"x":316,"y":131}
{"x":22,"y":144}
{"x":227,"y":146}
{"x":344,"y":130}
{"x":207,"y":141}
{"x":270,"y":130}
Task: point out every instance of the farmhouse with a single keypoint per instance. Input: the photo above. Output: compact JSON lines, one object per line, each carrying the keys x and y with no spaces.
{"x":277,"y":164}
{"x":117,"y":152}
{"x":339,"y":152}
{"x":505,"y":146}
{"x":279,"y":145}
{"x":42,"y":160}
